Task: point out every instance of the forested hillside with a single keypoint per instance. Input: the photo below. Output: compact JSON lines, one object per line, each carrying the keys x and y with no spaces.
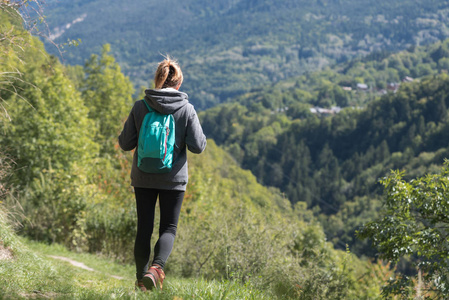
{"x":333,"y":160}
{"x":228,"y":47}
{"x":318,"y":141}
{"x":65,"y":181}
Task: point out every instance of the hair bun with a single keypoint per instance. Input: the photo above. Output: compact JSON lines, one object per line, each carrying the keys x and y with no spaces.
{"x":168,"y":74}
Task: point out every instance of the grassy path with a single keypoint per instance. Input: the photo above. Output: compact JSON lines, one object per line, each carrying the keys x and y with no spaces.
{"x":38,"y":271}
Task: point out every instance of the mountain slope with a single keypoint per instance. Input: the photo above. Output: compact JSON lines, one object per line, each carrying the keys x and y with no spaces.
{"x":228,"y":47}
{"x":332,"y":161}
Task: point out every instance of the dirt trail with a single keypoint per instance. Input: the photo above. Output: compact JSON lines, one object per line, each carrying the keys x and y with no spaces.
{"x":80,"y":265}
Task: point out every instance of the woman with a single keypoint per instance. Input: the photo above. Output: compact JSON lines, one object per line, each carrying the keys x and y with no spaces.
{"x":170,"y":187}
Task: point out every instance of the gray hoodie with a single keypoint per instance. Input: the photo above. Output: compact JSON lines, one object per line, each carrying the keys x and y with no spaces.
{"x":188,"y":132}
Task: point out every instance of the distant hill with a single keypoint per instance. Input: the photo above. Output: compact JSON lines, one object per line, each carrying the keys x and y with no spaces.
{"x":332,"y":160}
{"x":228,"y":47}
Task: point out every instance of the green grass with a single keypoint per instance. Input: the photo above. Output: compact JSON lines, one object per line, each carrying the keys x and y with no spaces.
{"x":32,"y":273}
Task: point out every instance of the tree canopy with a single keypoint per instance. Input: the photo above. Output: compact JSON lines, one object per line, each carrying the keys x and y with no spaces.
{"x":414,"y":223}
{"x":229,"y":47}
{"x":332,"y":161}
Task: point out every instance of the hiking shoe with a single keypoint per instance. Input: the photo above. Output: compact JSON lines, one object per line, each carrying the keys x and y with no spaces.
{"x":140,"y":286}
{"x":154,"y":277}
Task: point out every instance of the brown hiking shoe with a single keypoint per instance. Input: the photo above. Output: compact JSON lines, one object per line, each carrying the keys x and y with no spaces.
{"x":140,"y":286}
{"x":154,"y":277}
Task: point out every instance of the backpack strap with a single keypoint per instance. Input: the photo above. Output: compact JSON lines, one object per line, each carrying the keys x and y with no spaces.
{"x":146,"y":104}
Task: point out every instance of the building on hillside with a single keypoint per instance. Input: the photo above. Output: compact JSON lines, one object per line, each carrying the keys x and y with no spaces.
{"x":408,"y":79}
{"x":393,"y":87}
{"x":325,"y":111}
{"x":362,"y":86}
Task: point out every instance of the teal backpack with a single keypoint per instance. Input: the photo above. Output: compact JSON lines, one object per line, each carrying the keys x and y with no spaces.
{"x":156,"y":142}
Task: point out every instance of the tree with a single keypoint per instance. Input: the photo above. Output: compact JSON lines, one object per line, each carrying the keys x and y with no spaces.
{"x":50,"y":128}
{"x":13,"y":42}
{"x":50,"y":138}
{"x":107,"y":93}
{"x":415,"y":223}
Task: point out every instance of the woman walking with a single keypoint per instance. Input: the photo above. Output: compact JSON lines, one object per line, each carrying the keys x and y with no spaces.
{"x":165,"y":99}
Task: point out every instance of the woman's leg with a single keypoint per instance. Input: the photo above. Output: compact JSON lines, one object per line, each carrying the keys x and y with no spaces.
{"x":170,"y":204}
{"x":145,"y":201}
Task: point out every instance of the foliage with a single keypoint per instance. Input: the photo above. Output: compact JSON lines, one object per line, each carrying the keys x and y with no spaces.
{"x":233,"y":228}
{"x":50,"y":138}
{"x":6,"y":165}
{"x":107,"y":95}
{"x":73,"y":185}
{"x":13,"y":42}
{"x":414,"y":223}
{"x":230,"y":47}
{"x":333,"y":163}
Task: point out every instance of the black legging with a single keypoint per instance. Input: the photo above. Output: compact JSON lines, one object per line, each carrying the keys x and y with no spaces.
{"x":170,"y":206}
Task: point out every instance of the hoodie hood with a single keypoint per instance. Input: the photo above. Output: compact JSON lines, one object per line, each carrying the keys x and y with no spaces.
{"x":165,"y":101}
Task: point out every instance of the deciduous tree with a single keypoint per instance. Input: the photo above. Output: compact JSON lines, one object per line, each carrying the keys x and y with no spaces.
{"x":415,"y":223}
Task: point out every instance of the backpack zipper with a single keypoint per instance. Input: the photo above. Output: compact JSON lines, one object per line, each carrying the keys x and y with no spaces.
{"x":165,"y":143}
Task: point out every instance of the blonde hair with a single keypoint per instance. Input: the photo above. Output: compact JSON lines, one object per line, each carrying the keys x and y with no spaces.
{"x":168,"y":74}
